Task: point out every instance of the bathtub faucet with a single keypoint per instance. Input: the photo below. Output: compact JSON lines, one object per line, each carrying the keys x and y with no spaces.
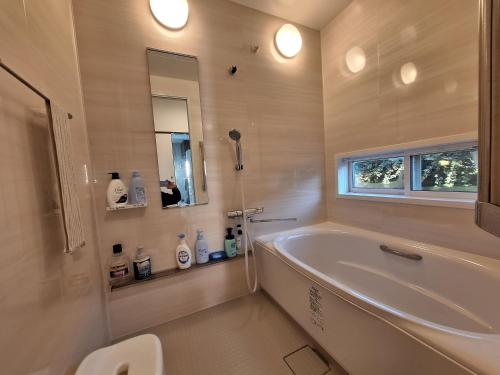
{"x":249,"y":213}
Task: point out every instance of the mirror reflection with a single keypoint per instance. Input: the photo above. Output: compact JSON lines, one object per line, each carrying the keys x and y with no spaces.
{"x":175,"y":95}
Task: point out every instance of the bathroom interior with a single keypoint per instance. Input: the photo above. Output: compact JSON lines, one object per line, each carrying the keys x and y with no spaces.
{"x":275,"y":187}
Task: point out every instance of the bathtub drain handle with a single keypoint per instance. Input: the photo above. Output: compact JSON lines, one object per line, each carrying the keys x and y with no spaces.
{"x":400,"y":253}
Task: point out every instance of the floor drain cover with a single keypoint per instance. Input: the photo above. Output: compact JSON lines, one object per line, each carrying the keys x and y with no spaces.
{"x":305,"y":361}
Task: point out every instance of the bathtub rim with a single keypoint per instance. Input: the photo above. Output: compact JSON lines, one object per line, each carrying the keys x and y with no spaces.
{"x":455,"y":345}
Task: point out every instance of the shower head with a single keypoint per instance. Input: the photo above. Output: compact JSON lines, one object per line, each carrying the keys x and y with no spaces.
{"x":235,"y":135}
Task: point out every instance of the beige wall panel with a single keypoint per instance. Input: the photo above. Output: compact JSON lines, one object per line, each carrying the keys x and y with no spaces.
{"x":52,"y":304}
{"x":373,"y":108}
{"x":134,"y":309}
{"x":276,"y":103}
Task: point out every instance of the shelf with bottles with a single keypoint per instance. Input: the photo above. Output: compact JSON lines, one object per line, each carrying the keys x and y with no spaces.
{"x":173,"y":272}
{"x":120,"y":197}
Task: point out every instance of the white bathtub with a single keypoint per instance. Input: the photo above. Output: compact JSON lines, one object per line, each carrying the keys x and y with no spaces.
{"x":379,"y":313}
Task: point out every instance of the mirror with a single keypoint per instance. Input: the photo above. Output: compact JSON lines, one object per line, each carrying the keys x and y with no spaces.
{"x":175,"y":95}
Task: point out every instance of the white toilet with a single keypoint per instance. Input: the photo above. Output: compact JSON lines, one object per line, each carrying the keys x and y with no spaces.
{"x":141,"y":355}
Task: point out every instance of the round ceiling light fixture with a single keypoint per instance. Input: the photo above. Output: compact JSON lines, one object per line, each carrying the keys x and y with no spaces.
{"x":288,"y":40}
{"x":170,"y":13}
{"x":355,"y":59}
{"x":409,"y":73}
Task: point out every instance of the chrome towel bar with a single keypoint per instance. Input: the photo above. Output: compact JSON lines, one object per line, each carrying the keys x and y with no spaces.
{"x":399,"y":253}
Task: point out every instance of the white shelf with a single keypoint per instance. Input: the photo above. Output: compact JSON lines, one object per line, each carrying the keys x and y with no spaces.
{"x":127,"y":207}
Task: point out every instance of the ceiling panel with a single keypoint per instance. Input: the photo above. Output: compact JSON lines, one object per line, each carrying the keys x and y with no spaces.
{"x":315,"y":14}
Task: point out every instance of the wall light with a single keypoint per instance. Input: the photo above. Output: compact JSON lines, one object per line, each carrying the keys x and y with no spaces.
{"x":408,"y":73}
{"x":288,"y":40}
{"x":355,"y":59}
{"x":171,"y":13}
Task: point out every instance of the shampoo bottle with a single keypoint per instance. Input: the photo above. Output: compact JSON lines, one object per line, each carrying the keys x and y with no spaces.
{"x":201,"y":248}
{"x":136,"y":191}
{"x":230,"y":244}
{"x":117,"y":192}
{"x":183,"y":253}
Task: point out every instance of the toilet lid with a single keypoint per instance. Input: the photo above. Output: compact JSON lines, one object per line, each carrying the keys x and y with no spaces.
{"x":141,"y":355}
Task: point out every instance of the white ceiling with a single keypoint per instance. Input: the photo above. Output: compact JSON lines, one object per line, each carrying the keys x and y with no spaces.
{"x":315,"y":14}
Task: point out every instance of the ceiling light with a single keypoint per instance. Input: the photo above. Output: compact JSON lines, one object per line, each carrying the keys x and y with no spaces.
{"x":288,"y":40}
{"x":170,"y":13}
{"x":355,"y":59}
{"x":409,"y":73}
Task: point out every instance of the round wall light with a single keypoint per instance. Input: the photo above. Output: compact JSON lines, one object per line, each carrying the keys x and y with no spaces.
{"x":170,"y":13}
{"x":288,"y":40}
{"x":408,"y":73}
{"x":355,"y":59}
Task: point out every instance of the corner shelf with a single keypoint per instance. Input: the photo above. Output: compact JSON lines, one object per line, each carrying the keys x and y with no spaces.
{"x":173,"y":272}
{"x":127,"y":207}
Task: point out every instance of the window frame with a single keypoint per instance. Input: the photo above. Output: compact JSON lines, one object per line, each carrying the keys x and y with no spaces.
{"x":345,"y":188}
{"x":387,"y":191}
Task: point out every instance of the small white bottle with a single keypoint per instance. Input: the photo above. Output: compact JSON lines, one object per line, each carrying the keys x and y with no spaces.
{"x":136,"y":191}
{"x":183,"y":253}
{"x":117,"y":192}
{"x":201,"y":248}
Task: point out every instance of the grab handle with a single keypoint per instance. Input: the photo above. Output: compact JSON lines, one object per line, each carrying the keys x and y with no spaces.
{"x":399,"y":253}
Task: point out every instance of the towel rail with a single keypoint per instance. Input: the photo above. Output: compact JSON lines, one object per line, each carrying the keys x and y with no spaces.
{"x":27,"y":84}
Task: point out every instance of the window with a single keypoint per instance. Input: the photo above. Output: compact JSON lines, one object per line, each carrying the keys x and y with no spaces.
{"x":449,"y":171}
{"x":384,"y":173}
{"x":438,"y":172}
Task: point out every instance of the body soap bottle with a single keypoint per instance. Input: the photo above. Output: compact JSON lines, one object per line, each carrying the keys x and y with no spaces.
{"x":136,"y":191}
{"x":117,"y":192}
{"x":230,"y":244}
{"x":201,"y":248}
{"x":183,"y":253}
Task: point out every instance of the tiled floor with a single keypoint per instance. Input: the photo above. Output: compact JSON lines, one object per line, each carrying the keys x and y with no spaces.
{"x":247,"y":336}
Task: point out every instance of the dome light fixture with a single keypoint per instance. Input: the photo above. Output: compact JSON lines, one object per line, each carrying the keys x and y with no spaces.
{"x":288,"y":40}
{"x":355,"y":59}
{"x":170,"y":13}
{"x":408,"y":73}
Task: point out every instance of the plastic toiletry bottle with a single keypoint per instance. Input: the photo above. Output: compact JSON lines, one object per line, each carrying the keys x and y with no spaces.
{"x":136,"y":191}
{"x":239,"y":239}
{"x":183,"y":253}
{"x":142,"y":264}
{"x":201,"y":248}
{"x":119,"y":267}
{"x":117,"y":192}
{"x":230,"y":243}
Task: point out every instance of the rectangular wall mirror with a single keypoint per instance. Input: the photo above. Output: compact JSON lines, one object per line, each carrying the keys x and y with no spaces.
{"x":175,"y":95}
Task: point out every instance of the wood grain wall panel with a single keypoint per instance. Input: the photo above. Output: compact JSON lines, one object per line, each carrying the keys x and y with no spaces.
{"x":53,"y":307}
{"x":275,"y":102}
{"x":374,"y":108}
